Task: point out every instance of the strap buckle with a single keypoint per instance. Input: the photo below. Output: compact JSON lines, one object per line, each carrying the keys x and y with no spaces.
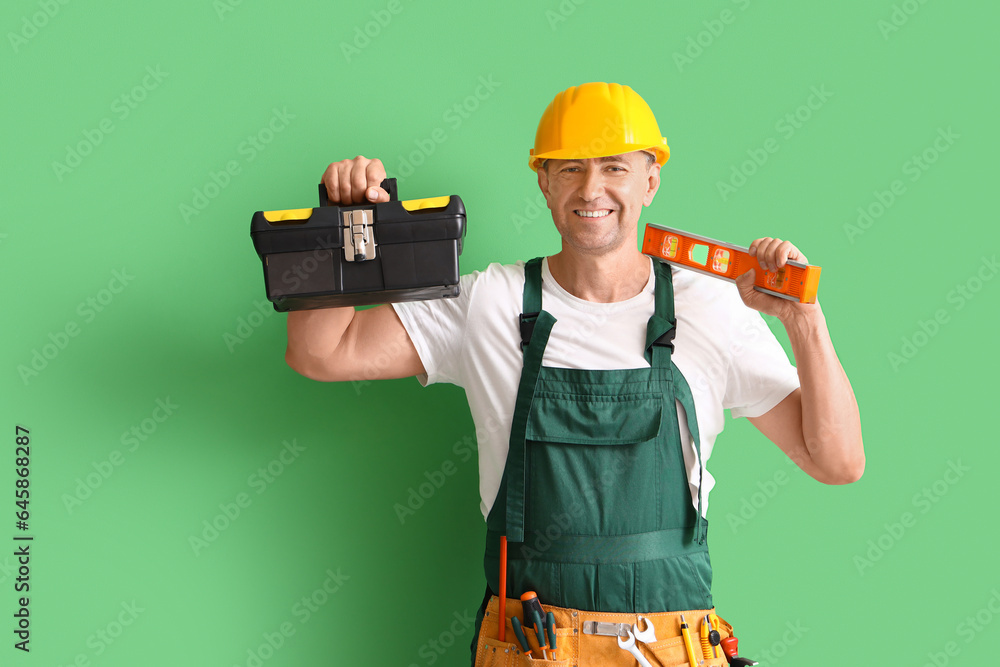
{"x":527,"y":322}
{"x":667,"y":339}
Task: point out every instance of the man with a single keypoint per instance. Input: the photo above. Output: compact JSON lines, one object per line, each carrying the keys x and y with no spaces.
{"x":597,"y":380}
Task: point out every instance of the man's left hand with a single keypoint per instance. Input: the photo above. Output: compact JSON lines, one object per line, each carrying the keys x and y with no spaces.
{"x":818,"y":425}
{"x":772,"y":254}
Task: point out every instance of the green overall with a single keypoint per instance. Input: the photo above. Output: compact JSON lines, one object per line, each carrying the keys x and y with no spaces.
{"x":594,"y":498}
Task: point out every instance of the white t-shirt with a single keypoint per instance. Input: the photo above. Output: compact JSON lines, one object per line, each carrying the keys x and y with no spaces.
{"x":725,"y":350}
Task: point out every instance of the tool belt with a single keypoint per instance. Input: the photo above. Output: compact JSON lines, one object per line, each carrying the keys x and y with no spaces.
{"x":583,"y":643}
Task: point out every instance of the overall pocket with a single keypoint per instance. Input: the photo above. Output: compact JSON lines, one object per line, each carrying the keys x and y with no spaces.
{"x":589,"y":458}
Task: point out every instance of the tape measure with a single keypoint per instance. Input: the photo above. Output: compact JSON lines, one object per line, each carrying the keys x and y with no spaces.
{"x":794,"y":281}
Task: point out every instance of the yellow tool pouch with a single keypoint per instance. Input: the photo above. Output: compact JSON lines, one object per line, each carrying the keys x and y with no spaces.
{"x":577,"y":645}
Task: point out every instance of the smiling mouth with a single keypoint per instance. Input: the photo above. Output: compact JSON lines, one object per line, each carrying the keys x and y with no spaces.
{"x":593,"y":214}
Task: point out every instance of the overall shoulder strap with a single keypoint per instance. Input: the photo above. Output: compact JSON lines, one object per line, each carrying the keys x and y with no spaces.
{"x":661,"y":326}
{"x":531,"y":299}
{"x":536,"y":325}
{"x":659,"y":347}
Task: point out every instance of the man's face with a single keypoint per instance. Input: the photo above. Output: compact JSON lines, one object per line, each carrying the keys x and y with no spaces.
{"x":595,"y":202}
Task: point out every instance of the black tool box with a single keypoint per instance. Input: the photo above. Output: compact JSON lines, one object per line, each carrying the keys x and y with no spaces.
{"x":364,"y":254}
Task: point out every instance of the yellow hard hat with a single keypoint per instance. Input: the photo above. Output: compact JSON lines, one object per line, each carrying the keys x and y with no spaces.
{"x":595,"y":120}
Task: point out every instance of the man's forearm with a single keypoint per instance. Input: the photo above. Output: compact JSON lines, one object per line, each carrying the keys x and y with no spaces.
{"x":831,"y":423}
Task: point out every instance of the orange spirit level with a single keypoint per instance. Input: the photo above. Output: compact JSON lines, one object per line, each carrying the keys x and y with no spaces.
{"x":794,"y":281}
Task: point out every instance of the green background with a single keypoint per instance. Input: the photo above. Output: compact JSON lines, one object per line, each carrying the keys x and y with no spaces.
{"x":858,"y":580}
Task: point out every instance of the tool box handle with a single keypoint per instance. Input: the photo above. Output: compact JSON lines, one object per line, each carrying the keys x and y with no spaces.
{"x":389,"y":185}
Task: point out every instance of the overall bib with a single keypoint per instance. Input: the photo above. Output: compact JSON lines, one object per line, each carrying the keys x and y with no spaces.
{"x":594,"y":498}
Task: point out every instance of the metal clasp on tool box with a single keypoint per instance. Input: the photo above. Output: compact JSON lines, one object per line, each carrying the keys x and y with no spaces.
{"x":359,"y":238}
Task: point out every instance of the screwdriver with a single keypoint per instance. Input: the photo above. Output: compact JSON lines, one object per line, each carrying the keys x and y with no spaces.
{"x":522,"y":640}
{"x":550,"y":623}
{"x":532,"y":609}
{"x":540,"y":631}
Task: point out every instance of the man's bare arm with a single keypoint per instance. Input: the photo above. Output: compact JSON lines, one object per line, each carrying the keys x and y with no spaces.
{"x":342,"y":344}
{"x":818,"y":425}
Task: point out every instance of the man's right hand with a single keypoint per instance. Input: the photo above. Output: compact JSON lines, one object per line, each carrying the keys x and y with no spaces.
{"x":342,"y":344}
{"x":355,"y":181}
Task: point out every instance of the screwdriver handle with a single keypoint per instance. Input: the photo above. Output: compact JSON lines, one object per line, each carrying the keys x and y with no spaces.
{"x":536,"y":618}
{"x":519,"y":633}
